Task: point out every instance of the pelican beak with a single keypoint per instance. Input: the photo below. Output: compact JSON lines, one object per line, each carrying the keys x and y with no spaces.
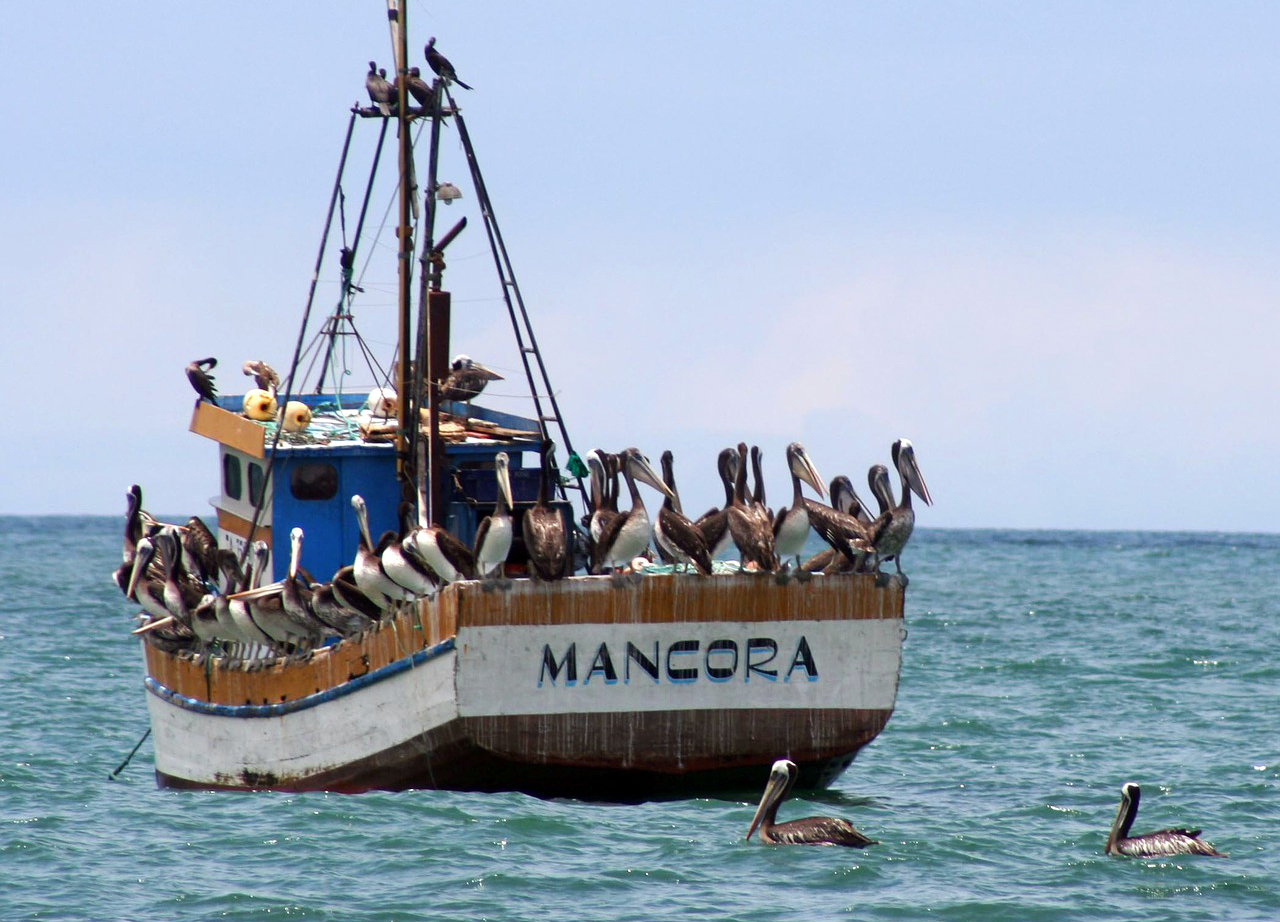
{"x":772,"y":791}
{"x":152,"y":625}
{"x":504,"y":481}
{"x":641,"y":470}
{"x":806,"y":471}
{"x":914,"y":478}
{"x":252,"y":595}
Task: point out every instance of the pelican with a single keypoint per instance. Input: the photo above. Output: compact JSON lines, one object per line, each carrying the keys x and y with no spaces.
{"x":791,"y":529}
{"x":628,"y":535}
{"x":446,"y":555}
{"x":238,"y":608}
{"x":892,"y":528}
{"x":675,"y":535}
{"x":295,"y":596}
{"x":812,"y":830}
{"x":1159,"y":844}
{"x":148,"y":591}
{"x":757,"y":495}
{"x":133,"y":533}
{"x":370,"y":575}
{"x":402,"y":567}
{"x":750,"y":528}
{"x":264,"y":376}
{"x":440,"y":64}
{"x":379,"y":89}
{"x":467,"y":378}
{"x":361,"y":610}
{"x":494,"y":533}
{"x":714,"y":524}
{"x":201,"y":380}
{"x":604,"y":502}
{"x":181,"y":597}
{"x":545,"y":539}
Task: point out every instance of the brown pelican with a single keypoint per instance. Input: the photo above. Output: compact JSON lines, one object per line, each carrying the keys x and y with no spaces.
{"x":264,"y":376}
{"x":714,"y":524}
{"x":401,"y":565}
{"x":440,"y":64}
{"x":446,"y":555}
{"x":379,"y":89}
{"x":370,"y":575}
{"x":749,"y":526}
{"x":545,"y":540}
{"x":675,"y":535}
{"x":295,"y":596}
{"x":199,"y":549}
{"x":812,"y":830}
{"x":604,"y":504}
{"x":791,"y":529}
{"x":467,"y":378}
{"x":238,"y":608}
{"x":628,"y":535}
{"x":181,"y":595}
{"x":341,"y":605}
{"x":494,"y":533}
{"x":201,"y":380}
{"x":1160,"y":844}
{"x":892,"y":528}
{"x":147,"y":589}
{"x":757,"y":494}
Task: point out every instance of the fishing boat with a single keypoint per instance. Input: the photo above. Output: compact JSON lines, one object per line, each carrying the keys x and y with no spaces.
{"x":664,"y":684}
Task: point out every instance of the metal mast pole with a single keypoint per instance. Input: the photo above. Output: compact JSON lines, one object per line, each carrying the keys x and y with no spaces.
{"x":397,"y":18}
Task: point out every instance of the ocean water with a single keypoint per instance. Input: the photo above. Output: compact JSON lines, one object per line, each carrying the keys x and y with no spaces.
{"x":1042,"y":670}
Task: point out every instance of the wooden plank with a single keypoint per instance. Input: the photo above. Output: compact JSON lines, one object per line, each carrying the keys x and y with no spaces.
{"x":230,"y":429}
{"x":240,"y":526}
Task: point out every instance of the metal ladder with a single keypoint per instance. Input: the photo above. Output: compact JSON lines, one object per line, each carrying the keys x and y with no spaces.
{"x":525,"y":340}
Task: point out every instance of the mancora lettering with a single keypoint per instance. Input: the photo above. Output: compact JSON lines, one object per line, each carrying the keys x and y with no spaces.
{"x":681,"y":662}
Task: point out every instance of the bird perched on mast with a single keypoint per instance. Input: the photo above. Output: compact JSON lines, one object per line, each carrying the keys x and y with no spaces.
{"x":380,"y":90}
{"x":201,"y":380}
{"x":440,"y":64}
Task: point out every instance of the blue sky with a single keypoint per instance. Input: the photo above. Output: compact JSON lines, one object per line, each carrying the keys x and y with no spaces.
{"x":1036,"y":239}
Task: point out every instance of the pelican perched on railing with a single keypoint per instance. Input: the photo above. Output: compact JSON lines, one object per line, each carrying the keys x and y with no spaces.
{"x":675,"y":535}
{"x":370,"y":575}
{"x":628,"y":534}
{"x":714,"y":523}
{"x":495,"y":532}
{"x":812,"y":830}
{"x":545,"y":540}
{"x":891,"y":529}
{"x":791,"y":529}
{"x":749,"y":525}
{"x":1160,"y":844}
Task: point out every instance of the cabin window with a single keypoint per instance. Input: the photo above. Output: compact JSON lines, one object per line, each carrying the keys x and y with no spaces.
{"x":314,"y":480}
{"x":232,"y":482}
{"x":256,"y":483}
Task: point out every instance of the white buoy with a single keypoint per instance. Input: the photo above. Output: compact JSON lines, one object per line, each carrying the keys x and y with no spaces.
{"x":260,"y":405}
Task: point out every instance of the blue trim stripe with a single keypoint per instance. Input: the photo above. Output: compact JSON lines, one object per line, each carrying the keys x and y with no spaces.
{"x":298,"y":704}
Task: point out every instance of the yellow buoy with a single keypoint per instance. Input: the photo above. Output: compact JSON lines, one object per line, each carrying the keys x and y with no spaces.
{"x":297,"y":416}
{"x":260,"y":405}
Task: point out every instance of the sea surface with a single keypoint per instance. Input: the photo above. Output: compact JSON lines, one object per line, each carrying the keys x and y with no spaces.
{"x":1042,"y":670}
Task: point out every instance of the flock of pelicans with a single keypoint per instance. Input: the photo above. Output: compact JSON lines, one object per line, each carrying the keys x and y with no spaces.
{"x":194,"y":594}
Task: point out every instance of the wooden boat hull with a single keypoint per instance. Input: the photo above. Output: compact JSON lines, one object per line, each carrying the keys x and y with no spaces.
{"x":675,"y":685}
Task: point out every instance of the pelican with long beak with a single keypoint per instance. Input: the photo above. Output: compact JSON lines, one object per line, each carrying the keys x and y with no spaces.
{"x":403,"y":567}
{"x":604,"y":501}
{"x":628,"y":535}
{"x":892,"y":529}
{"x":1160,"y":844}
{"x":791,"y":529}
{"x":674,"y":534}
{"x":494,"y":534}
{"x":371,"y":577}
{"x":443,"y":553}
{"x":812,"y":830}
{"x":545,"y":539}
{"x":714,"y":523}
{"x":749,"y":525}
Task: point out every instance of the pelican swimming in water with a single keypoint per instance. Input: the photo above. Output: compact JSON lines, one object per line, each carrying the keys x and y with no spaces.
{"x":1161,"y":844}
{"x":467,"y":378}
{"x":675,"y":535}
{"x":750,"y":527}
{"x":542,"y":527}
{"x":892,"y":528}
{"x":812,"y":830}
{"x":379,"y":89}
{"x":627,"y":536}
{"x":201,"y":380}
{"x":495,"y":532}
{"x":791,"y":529}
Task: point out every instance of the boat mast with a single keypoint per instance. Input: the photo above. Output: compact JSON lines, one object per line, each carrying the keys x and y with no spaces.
{"x":398,"y":20}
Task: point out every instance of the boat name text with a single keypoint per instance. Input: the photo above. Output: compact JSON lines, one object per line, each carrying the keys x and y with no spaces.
{"x":683,"y":662}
